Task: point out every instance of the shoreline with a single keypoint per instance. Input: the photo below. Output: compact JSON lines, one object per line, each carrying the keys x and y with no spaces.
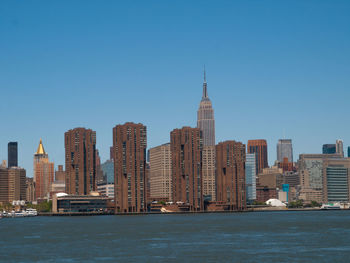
{"x":250,"y":210}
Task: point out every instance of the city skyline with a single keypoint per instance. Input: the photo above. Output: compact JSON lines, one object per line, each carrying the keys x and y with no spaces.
{"x":182,"y":131}
{"x":51,"y":69}
{"x":271,"y":149}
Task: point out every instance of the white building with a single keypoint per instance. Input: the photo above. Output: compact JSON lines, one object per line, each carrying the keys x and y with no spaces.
{"x":160,"y":172}
{"x":106,"y":190}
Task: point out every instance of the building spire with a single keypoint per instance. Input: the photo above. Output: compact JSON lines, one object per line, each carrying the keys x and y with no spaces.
{"x":40,"y":148}
{"x":205,"y":92}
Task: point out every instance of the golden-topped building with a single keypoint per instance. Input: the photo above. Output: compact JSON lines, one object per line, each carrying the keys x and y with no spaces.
{"x":43,"y":173}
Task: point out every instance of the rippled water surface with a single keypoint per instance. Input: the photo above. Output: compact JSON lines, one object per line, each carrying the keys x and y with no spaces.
{"x":319,"y":236}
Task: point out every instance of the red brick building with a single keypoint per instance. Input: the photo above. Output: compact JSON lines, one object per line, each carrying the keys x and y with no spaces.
{"x":186,"y":150}
{"x":80,"y":147}
{"x":230,"y":174}
{"x":264,"y":193}
{"x":129,"y":151}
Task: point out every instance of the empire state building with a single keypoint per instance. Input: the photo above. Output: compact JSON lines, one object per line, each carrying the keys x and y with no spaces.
{"x":206,"y":123}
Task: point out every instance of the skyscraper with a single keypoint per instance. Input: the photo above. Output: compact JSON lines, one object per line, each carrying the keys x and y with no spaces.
{"x":80,"y":151}
{"x":250,"y":176}
{"x":129,"y":151}
{"x":107,"y":169}
{"x":43,"y":173}
{"x":284,"y":150}
{"x":260,"y":148}
{"x":186,"y":149}
{"x":160,"y":172}
{"x":230,"y":159}
{"x":329,"y":149}
{"x":206,"y":123}
{"x":339,"y":147}
{"x":12,"y":184}
{"x":17,"y":184}
{"x":205,"y":117}
{"x":12,"y":154}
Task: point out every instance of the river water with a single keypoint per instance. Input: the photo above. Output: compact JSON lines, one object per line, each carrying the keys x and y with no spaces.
{"x":318,"y":236}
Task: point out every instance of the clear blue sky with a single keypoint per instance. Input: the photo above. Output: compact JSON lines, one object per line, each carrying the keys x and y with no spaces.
{"x":274,"y":68}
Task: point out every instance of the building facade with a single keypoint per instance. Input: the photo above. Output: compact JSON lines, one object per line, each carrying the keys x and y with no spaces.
{"x":60,"y":174}
{"x":339,"y":147}
{"x":259,"y":147}
{"x":286,"y":165}
{"x":12,"y":154}
{"x":80,"y":158}
{"x":57,"y":187}
{"x":271,"y":178}
{"x":106,"y":190}
{"x":329,"y":148}
{"x":12,"y":184}
{"x":310,"y":168}
{"x":43,"y":173}
{"x":4,"y":185}
{"x":129,"y":151}
{"x":284,"y":150}
{"x":206,"y":123}
{"x":107,"y":169}
{"x":30,"y":189}
{"x":230,"y":174}
{"x":63,"y":203}
{"x":336,"y":178}
{"x":160,"y":179}
{"x":316,"y":171}
{"x":291,"y":178}
{"x":17,"y":184}
{"x":250,"y":177}
{"x":186,"y":150}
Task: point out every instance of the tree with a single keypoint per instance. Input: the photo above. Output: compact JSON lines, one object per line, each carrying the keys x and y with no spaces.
{"x":296,"y":204}
{"x":45,"y":207}
{"x":315,"y":204}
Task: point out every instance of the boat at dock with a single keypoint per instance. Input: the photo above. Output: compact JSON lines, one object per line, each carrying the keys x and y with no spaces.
{"x":24,"y":213}
{"x":31,"y":212}
{"x":330,"y":207}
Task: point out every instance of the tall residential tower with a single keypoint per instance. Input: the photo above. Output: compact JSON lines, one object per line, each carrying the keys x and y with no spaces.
{"x":129,"y":152}
{"x":186,"y":148}
{"x":80,"y":147}
{"x":231,"y":174}
{"x":206,"y":123}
